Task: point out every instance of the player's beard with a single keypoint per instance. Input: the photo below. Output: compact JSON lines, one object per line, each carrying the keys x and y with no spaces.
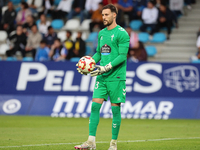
{"x":108,"y":23}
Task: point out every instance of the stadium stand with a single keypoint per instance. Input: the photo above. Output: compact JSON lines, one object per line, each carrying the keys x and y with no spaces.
{"x":57,"y":24}
{"x":181,"y":40}
{"x":151,"y":50}
{"x":158,"y":38}
{"x":143,"y":37}
{"x":27,"y":59}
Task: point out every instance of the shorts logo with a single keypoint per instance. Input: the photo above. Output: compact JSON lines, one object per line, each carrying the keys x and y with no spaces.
{"x":124,"y":92}
{"x":105,"y":49}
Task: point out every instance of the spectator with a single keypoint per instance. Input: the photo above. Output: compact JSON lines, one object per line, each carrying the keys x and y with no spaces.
{"x":48,"y":6}
{"x":166,"y":19}
{"x":42,"y":52}
{"x":50,"y":36}
{"x":198,"y":43}
{"x":19,"y":42}
{"x":149,"y":17}
{"x":34,"y":39}
{"x":176,"y":6}
{"x":134,"y":41}
{"x":43,"y":25}
{"x":90,"y":7}
{"x":58,"y":51}
{"x":23,"y":13}
{"x":198,"y":33}
{"x":188,"y":3}
{"x":8,"y":19}
{"x":138,"y":54}
{"x":35,"y":6}
{"x":124,"y":7}
{"x":64,"y":7}
{"x":28,"y":25}
{"x":106,"y":2}
{"x":197,"y":56}
{"x":97,"y":20}
{"x":78,"y":7}
{"x":79,"y":46}
{"x":1,"y":5}
{"x":138,"y":6}
{"x":68,"y":43}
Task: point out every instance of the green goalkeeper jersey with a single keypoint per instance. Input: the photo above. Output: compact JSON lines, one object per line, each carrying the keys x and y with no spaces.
{"x":112,"y":48}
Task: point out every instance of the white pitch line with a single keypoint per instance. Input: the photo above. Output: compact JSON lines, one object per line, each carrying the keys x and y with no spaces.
{"x":129,"y":141}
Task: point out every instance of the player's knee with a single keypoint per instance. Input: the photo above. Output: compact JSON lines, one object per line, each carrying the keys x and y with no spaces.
{"x":95,"y":107}
{"x":98,"y":100}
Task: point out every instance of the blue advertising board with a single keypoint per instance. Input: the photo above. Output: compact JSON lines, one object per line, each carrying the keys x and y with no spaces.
{"x":154,"y":90}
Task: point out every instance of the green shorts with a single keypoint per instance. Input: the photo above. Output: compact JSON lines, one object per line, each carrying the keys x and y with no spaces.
{"x":116,"y":90}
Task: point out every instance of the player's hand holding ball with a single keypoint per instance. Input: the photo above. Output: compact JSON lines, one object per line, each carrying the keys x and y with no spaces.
{"x":101,"y":69}
{"x":85,"y":65}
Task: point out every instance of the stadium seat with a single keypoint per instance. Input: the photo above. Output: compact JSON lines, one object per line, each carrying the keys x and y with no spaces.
{"x":135,"y":24}
{"x":196,"y":61}
{"x":75,"y":59}
{"x":15,"y":2}
{"x":3,"y":36}
{"x":72,"y":24}
{"x":62,"y":35}
{"x":143,"y":37}
{"x":84,"y":36}
{"x":57,"y":24}
{"x":11,"y":59}
{"x":3,"y":49}
{"x":18,"y":9}
{"x":85,"y":25}
{"x":88,"y":50}
{"x":158,"y":38}
{"x":151,"y":50}
{"x":56,"y":2}
{"x":92,"y":37}
{"x":27,"y":59}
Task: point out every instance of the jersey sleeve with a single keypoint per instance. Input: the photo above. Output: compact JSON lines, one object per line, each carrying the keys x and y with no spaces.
{"x":97,"y":55}
{"x":124,"y":40}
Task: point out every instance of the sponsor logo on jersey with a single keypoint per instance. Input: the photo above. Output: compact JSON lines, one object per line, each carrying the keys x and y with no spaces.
{"x":105,"y":49}
{"x":112,"y":37}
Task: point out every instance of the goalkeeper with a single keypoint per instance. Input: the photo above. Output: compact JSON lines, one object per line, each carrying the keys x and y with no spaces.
{"x":113,"y":45}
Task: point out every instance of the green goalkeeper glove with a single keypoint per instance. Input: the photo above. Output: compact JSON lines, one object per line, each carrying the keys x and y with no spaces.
{"x":101,"y":69}
{"x":80,"y":71}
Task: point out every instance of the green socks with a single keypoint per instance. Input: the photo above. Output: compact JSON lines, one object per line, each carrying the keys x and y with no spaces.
{"x":116,"y":122}
{"x":94,"y":118}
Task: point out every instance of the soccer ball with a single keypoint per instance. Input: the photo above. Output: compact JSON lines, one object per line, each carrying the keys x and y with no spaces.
{"x":86,"y":64}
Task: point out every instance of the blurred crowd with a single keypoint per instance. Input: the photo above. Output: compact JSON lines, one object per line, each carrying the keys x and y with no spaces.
{"x":40,"y":39}
{"x":197,"y":56}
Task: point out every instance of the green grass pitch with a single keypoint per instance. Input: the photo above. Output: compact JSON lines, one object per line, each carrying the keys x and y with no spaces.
{"x":46,"y":133}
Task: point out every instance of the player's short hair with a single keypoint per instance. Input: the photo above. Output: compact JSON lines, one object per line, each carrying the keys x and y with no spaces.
{"x":111,"y":7}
